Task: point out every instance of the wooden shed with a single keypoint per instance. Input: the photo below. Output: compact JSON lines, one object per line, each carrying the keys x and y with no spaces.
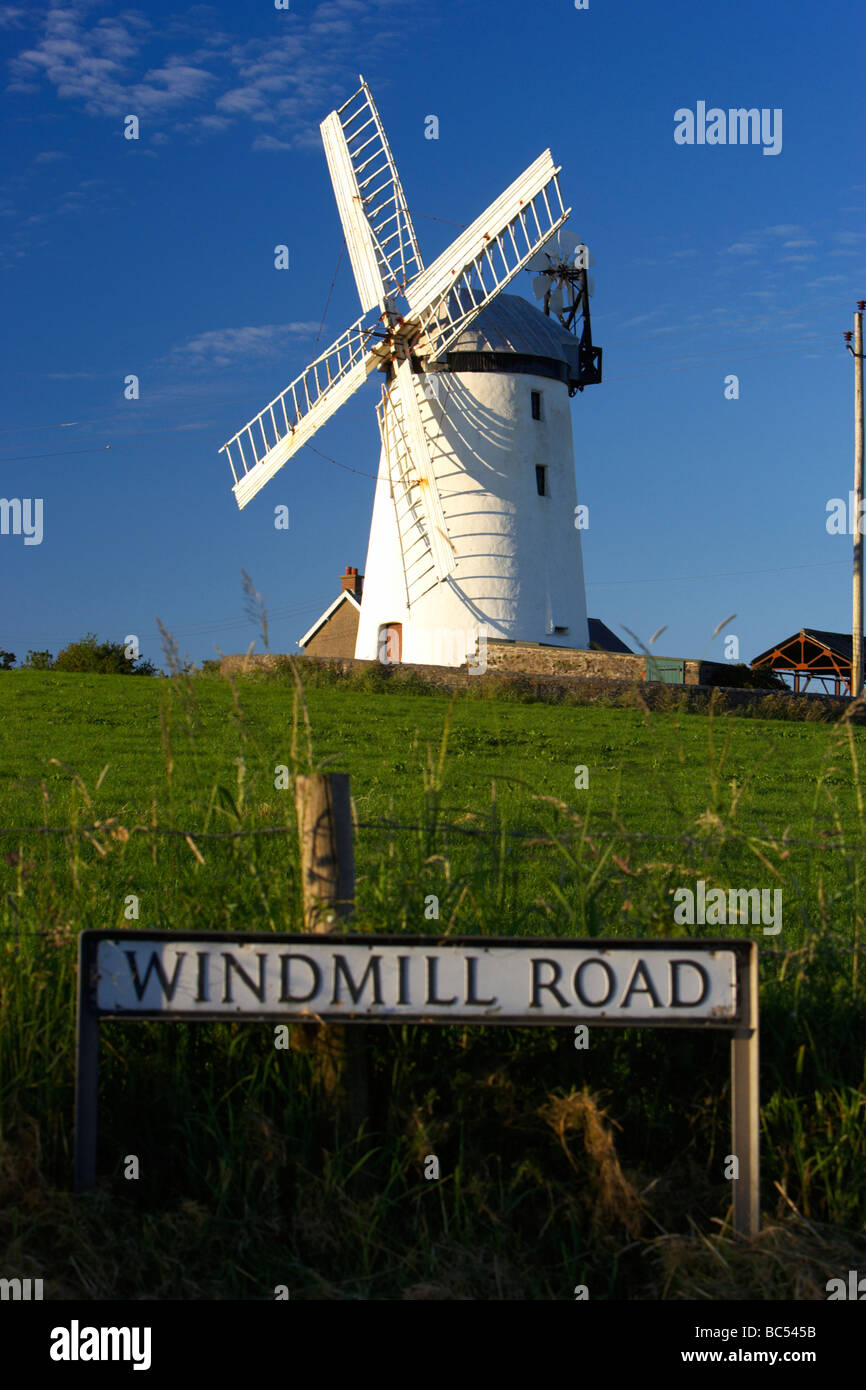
{"x":812,"y":655}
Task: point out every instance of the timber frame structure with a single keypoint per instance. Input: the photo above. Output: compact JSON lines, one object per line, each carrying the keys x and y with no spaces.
{"x":812,"y":654}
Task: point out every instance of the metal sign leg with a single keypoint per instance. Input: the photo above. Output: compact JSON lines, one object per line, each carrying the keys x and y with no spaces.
{"x":745,"y":1108}
{"x":86,"y":1078}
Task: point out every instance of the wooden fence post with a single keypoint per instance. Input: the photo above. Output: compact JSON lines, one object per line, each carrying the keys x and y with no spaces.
{"x":326,"y":832}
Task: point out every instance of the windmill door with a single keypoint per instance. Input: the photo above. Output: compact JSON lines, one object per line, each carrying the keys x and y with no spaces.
{"x":390,"y":644}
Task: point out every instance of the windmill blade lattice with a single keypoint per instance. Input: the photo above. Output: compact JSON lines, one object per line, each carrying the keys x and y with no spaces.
{"x":379,"y":233}
{"x":291,"y":419}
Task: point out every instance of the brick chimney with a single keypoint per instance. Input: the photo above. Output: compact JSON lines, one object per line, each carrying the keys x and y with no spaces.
{"x":353,"y":581}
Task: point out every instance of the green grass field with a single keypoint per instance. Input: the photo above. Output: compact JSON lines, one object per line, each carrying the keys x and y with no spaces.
{"x":558,"y":1167}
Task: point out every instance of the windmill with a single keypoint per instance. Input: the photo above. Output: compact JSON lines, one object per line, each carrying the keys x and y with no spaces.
{"x":453,"y":548}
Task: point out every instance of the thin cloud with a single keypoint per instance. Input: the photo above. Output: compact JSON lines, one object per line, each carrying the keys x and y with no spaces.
{"x":740,"y":248}
{"x":643,"y":318}
{"x":92,"y":66}
{"x":72,"y":376}
{"x":270,"y":142}
{"x":223,"y":347}
{"x":109,"y":66}
{"x":13,"y":17}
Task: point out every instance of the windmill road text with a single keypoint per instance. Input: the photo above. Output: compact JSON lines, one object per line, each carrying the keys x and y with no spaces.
{"x":384,"y":979}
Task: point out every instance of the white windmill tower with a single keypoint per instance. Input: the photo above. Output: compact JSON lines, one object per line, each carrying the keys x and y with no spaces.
{"x":473,"y":526}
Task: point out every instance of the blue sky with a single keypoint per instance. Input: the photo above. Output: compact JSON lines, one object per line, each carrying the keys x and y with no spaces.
{"x":155,"y":257}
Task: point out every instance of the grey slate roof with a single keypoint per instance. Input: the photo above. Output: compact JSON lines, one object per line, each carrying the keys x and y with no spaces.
{"x":608,"y":641}
{"x":512,"y":324}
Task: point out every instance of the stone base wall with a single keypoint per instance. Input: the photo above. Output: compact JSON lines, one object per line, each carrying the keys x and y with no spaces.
{"x":532,"y":659}
{"x":582,"y":689}
{"x":522,"y":658}
{"x":535,"y":659}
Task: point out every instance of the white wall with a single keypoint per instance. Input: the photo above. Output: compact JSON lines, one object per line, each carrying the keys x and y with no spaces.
{"x":519,"y":570}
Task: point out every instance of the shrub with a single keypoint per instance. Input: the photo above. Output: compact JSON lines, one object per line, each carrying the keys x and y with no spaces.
{"x":38,"y":661}
{"x":743,"y":677}
{"x":103,"y":658}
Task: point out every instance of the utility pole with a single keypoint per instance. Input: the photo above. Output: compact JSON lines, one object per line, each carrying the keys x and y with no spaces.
{"x":857,"y":617}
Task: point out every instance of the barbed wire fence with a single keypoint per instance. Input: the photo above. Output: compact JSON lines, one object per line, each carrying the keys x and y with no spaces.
{"x":539,"y":836}
{"x":832,"y":941}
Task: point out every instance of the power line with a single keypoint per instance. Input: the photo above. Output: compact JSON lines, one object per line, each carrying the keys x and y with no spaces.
{"x":611,"y":374}
{"x":330,"y":292}
{"x":447,"y":220}
{"x":724,"y":352}
{"x":720,"y":327}
{"x":360,"y":471}
{"x":62,"y":454}
{"x":64,"y":425}
{"x":726,"y":574}
{"x":174,"y":404}
{"x":205,"y":630}
{"x":697,"y":366}
{"x":648,"y":337}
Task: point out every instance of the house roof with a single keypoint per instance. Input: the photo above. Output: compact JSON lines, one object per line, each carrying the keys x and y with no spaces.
{"x":608,"y":641}
{"x":320,"y":621}
{"x":810,"y":649}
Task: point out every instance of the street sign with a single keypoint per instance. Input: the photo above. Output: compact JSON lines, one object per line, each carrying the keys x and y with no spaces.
{"x":403,"y":979}
{"x":175,"y":975}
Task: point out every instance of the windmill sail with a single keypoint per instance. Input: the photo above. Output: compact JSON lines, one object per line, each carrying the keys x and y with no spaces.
{"x":447,"y":296}
{"x":416,"y":551}
{"x":379,"y":233}
{"x":291,"y":419}
{"x":413,"y":441}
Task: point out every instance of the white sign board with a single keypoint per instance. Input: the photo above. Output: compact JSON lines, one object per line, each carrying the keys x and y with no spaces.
{"x":391,"y":979}
{"x":395,"y":979}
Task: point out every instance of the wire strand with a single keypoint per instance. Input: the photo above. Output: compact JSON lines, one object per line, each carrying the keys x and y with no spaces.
{"x":330,"y":292}
{"x":538,"y":837}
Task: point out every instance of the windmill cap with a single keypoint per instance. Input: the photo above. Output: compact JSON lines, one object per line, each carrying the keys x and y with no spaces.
{"x":510,"y":324}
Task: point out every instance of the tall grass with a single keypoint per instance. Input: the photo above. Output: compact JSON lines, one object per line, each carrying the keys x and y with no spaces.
{"x":558,"y":1167}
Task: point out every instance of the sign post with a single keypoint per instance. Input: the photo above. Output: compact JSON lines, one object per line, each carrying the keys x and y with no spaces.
{"x":746,"y":1106}
{"x":86,"y":1071}
{"x":524,"y":981}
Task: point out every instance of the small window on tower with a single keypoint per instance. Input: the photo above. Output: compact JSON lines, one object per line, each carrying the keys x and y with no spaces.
{"x":541,"y":479}
{"x":536,"y":405}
